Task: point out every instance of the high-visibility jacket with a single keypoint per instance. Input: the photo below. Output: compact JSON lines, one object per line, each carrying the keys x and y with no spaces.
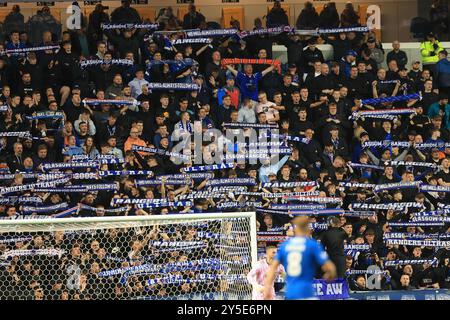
{"x":427,"y":49}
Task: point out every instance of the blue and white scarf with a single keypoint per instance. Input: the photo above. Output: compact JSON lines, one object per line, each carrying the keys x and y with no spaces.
{"x":386,"y":144}
{"x":210,"y":33}
{"x":19,"y":134}
{"x":98,"y":102}
{"x":70,"y":165}
{"x":32,"y":186}
{"x":209,"y":167}
{"x":159,"y":152}
{"x":192,"y":41}
{"x":394,"y":263}
{"x":232,"y":182}
{"x":52,"y":208}
{"x":32,"y":49}
{"x":386,"y":206}
{"x":109,"y":26}
{"x":293,"y":184}
{"x":173,"y":86}
{"x":97,"y":62}
{"x":108,"y":173}
{"x":397,"y":185}
{"x":424,"y":243}
{"x":47,"y":115}
{"x":158,"y":182}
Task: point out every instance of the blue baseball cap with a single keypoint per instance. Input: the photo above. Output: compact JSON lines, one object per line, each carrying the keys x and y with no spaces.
{"x":352,"y":53}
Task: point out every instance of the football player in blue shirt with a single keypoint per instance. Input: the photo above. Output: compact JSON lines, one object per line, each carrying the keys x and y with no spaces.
{"x":300,"y":257}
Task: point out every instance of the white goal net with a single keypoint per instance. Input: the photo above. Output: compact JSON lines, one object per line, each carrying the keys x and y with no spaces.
{"x":199,"y":257}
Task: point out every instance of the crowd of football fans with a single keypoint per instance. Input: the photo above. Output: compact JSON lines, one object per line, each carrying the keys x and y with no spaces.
{"x":310,"y":98}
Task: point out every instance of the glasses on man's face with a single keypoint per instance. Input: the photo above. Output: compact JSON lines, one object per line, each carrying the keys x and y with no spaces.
{"x":134,"y":132}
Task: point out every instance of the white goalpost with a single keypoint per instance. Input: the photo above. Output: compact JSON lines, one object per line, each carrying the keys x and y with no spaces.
{"x":182,"y":256}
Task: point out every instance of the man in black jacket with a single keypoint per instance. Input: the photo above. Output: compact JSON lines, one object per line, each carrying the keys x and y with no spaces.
{"x":333,"y":241}
{"x":397,"y":55}
{"x":193,"y":19}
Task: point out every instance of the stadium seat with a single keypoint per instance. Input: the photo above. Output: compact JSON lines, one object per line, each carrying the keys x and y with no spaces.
{"x":182,"y":12}
{"x":232,"y":13}
{"x":147,"y":13}
{"x":363,"y":19}
{"x":3,"y":13}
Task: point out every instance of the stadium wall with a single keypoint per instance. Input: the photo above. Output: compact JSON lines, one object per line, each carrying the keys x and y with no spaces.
{"x":395,"y":15}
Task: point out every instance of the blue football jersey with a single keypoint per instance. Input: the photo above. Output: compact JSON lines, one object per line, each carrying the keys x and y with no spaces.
{"x":301,"y":256}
